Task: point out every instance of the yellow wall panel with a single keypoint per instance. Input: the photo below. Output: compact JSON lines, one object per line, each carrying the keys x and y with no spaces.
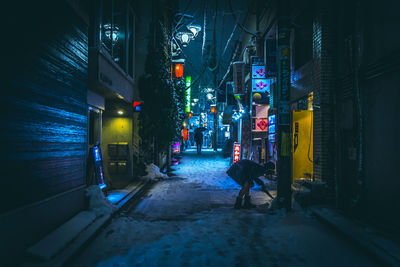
{"x":302,"y":144}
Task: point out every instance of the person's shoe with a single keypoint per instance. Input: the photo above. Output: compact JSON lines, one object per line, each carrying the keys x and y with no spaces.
{"x":247,"y":203}
{"x":238,"y":203}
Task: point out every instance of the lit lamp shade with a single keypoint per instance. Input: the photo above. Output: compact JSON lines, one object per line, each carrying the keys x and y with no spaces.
{"x":257,"y":96}
{"x":213,"y":109}
{"x":178,"y":70}
{"x":190,"y":114}
{"x":185,"y":38}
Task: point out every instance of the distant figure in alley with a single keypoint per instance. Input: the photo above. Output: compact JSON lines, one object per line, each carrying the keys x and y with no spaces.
{"x":198,"y":138}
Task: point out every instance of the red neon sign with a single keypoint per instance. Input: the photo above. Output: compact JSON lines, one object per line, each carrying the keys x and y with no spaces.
{"x":137,"y":105}
{"x":236,"y":152}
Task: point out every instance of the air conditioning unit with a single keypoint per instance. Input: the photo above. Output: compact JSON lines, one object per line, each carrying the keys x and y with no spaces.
{"x":248,"y":53}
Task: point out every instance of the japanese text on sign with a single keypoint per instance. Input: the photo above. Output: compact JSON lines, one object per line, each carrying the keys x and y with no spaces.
{"x":236,"y":152}
{"x":188,"y":94}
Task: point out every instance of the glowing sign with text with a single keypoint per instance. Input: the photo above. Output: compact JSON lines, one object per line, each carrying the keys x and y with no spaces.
{"x":261,"y":85}
{"x":258,"y":72}
{"x":176,"y":148}
{"x":96,"y":153}
{"x":187,"y":94}
{"x":98,"y":167}
{"x":271,"y":138}
{"x":236,"y":152}
{"x":259,"y":125}
{"x":271,"y":128}
{"x":271,"y":120}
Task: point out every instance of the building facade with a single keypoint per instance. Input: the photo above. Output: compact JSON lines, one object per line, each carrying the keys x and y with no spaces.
{"x":343,"y":65}
{"x":69,"y":86}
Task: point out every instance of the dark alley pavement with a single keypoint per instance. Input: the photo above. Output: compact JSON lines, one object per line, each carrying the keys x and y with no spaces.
{"x":189,"y":220}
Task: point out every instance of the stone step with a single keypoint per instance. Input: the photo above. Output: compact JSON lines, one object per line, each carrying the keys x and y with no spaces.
{"x":57,"y":240}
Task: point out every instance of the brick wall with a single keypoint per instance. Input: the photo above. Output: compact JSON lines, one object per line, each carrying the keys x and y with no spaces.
{"x":323,"y":85}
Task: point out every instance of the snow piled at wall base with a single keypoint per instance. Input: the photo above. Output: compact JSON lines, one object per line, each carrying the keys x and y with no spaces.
{"x":153,"y":173}
{"x":98,"y":203}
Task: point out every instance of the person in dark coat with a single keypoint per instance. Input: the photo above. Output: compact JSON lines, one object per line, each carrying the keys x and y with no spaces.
{"x":228,"y":147}
{"x":198,"y":138}
{"x":245,"y":172}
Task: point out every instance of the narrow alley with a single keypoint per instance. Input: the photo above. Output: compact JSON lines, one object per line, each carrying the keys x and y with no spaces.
{"x":121,"y":119}
{"x":189,"y":220}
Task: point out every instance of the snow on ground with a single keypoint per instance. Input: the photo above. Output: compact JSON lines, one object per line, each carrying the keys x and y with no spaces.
{"x":98,"y":203}
{"x":236,"y":238}
{"x":153,"y":173}
{"x":208,"y":169}
{"x":189,"y":221}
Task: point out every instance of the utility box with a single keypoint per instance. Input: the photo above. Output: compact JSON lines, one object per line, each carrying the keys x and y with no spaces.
{"x":123,"y":151}
{"x":112,"y":167}
{"x":118,"y":154}
{"x":113,"y":150}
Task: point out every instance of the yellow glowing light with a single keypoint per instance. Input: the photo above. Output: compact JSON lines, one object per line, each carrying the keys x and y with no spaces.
{"x":257,"y":96}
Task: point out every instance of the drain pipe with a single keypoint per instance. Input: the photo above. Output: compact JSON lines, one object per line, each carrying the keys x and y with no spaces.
{"x":360,"y":106}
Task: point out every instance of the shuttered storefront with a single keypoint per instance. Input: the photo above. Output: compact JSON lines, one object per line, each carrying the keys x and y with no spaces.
{"x":43,"y":104}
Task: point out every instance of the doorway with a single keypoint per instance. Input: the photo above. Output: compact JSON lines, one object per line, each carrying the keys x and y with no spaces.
{"x":302,"y":144}
{"x":94,"y":126}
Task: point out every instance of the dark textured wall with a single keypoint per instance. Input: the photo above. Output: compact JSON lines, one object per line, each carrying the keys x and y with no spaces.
{"x":323,"y":85}
{"x":43,"y":103}
{"x":382,"y":117}
{"x":380,"y":68}
{"x":365,"y":39}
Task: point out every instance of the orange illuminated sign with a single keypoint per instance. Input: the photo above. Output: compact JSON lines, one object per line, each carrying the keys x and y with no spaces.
{"x":178,"y":70}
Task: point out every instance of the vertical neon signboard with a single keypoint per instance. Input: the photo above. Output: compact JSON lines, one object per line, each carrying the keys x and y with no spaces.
{"x":236,"y":152}
{"x":98,"y":164}
{"x":271,"y":128}
{"x":187,"y":94}
{"x":176,"y":148}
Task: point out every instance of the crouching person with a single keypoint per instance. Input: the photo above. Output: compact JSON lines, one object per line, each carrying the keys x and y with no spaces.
{"x":245,"y":173}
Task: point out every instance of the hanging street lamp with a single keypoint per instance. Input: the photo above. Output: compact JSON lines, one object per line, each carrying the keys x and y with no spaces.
{"x":183,"y":33}
{"x":184,"y":37}
{"x":195,"y":29}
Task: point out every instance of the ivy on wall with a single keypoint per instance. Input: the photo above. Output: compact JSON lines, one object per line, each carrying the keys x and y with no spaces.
{"x":163,"y":111}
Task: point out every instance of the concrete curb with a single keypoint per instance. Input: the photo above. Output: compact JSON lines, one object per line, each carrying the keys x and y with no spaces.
{"x":71,"y":249}
{"x":383,"y":249}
